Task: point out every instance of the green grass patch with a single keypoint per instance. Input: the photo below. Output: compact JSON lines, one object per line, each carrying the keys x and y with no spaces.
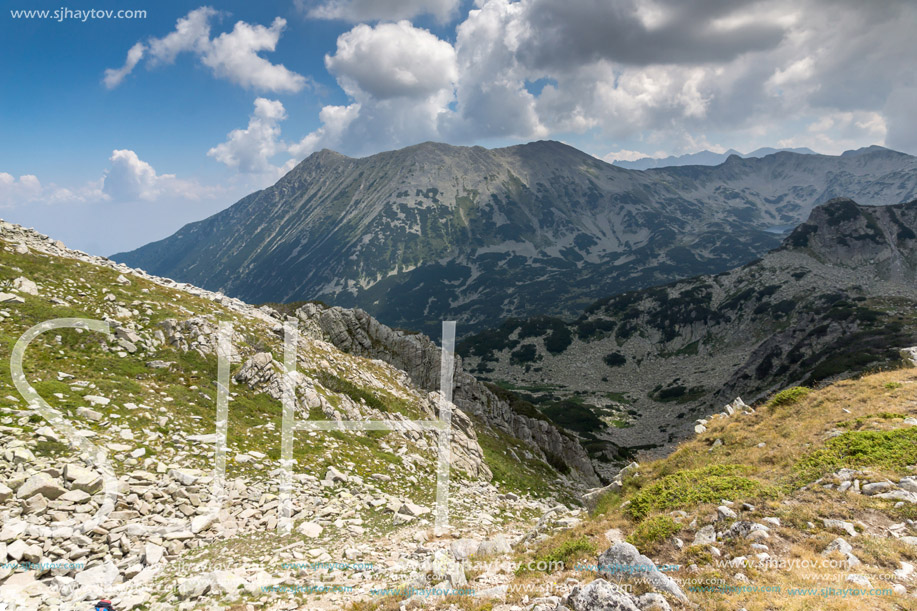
{"x":618,"y":397}
{"x":514,"y":473}
{"x":859,"y":422}
{"x":379,"y":400}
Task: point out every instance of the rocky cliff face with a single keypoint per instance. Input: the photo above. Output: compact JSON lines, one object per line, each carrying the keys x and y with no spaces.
{"x":637,"y":369}
{"x":435,"y":232}
{"x":356,"y":332}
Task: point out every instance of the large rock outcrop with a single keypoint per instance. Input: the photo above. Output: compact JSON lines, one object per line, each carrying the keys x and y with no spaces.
{"x":357,"y":332}
{"x":262,"y":372}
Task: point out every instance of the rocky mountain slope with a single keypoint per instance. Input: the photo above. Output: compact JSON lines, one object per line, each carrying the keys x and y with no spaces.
{"x":131,"y":432}
{"x":355,"y":332}
{"x":637,"y":369}
{"x":434,"y":232}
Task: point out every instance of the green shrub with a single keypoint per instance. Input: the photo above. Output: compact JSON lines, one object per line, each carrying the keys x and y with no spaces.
{"x":697,"y":554}
{"x":573,"y":416}
{"x":557,"y":462}
{"x":563,"y":554}
{"x":516,"y":403}
{"x":653,"y":530}
{"x":528,"y":353}
{"x":691,"y":487}
{"x":559,"y":340}
{"x":892,"y":450}
{"x":789,"y":396}
{"x":614,"y":359}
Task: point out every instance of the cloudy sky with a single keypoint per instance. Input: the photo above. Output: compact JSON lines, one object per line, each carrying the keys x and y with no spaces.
{"x":118,"y":131}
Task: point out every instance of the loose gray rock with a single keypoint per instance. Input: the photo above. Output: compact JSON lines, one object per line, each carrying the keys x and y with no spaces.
{"x":847,"y":527}
{"x":626,"y":555}
{"x":43,"y":484}
{"x":651,"y":601}
{"x":599,"y":595}
{"x":705,"y":536}
{"x":492,"y":547}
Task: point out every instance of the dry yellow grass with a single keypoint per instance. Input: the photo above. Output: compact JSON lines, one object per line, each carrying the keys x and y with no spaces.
{"x":789,"y":433}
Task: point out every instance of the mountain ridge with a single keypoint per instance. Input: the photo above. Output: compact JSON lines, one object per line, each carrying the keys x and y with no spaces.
{"x":702,"y":158}
{"x":436,"y":231}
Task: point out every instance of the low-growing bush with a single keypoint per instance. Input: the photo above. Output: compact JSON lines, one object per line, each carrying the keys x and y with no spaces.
{"x":692,"y":487}
{"x":789,"y":396}
{"x":892,"y":450}
{"x":614,"y":359}
{"x":564,"y":553}
{"x":653,"y":530}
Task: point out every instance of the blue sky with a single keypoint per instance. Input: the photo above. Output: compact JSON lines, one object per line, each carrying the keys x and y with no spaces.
{"x":107,"y":148}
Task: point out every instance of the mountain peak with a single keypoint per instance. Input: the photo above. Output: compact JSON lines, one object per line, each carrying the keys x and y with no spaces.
{"x":326,"y":155}
{"x":316,"y":161}
{"x":844,"y":233}
{"x":873,"y":148}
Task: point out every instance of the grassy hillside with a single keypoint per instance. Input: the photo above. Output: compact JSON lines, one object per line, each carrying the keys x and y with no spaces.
{"x":781,"y":466}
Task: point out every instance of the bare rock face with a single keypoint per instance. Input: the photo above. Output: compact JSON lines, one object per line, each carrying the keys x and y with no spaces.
{"x":909,"y":356}
{"x":347,"y":230}
{"x":357,"y":332}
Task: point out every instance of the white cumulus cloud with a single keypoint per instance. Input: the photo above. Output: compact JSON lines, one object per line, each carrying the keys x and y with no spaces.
{"x":130,"y":179}
{"x":250,"y":150}
{"x":114,"y":76}
{"x":232,"y":55}
{"x":28,"y":189}
{"x":393,"y":60}
{"x":669,"y":75}
{"x":335,"y":121}
{"x":401,"y":79}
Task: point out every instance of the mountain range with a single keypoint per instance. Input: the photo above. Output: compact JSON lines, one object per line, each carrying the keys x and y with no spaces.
{"x":703,"y":158}
{"x":637,"y":369}
{"x":434,"y":232}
